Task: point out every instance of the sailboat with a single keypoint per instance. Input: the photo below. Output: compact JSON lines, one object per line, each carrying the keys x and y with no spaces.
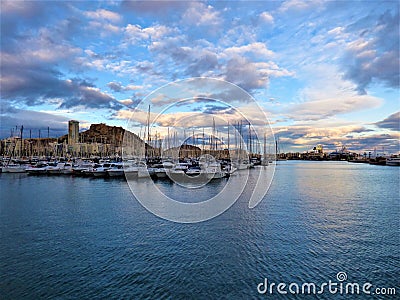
{"x":264,"y":160}
{"x":278,"y":158}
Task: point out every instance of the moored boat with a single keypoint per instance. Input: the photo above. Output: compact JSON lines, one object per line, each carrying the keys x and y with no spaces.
{"x":393,"y":161}
{"x":13,"y":168}
{"x":116,"y":170}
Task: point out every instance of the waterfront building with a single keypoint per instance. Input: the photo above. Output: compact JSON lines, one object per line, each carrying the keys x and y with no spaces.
{"x":73,"y":132}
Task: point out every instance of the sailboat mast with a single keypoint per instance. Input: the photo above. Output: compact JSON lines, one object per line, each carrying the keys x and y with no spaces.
{"x":22,"y":130}
{"x":148,"y":133}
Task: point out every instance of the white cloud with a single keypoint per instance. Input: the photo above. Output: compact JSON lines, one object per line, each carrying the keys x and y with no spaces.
{"x":266,"y":17}
{"x":328,"y":95}
{"x":299,"y":5}
{"x":257,"y":49}
{"x":154,"y":33}
{"x":200,"y":14}
{"x":103,"y":15}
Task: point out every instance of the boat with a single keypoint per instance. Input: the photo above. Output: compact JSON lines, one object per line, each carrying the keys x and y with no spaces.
{"x":38,"y":169}
{"x":13,"y":168}
{"x":393,"y":161}
{"x":82,"y":169}
{"x":193,"y":171}
{"x":116,"y":170}
{"x":55,"y":168}
{"x":214,"y":171}
{"x":101,"y":170}
{"x":67,"y":170}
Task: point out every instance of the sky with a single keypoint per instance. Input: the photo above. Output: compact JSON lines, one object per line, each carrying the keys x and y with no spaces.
{"x":323,"y":72}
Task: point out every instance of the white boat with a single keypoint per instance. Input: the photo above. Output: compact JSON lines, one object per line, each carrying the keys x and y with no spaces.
{"x":101,"y":171}
{"x":193,"y":171}
{"x":116,"y":170}
{"x":181,"y":167}
{"x":55,"y":169}
{"x":67,"y":170}
{"x":13,"y":168}
{"x":84,"y":168}
{"x":214,"y":171}
{"x":38,"y":169}
{"x":393,"y":161}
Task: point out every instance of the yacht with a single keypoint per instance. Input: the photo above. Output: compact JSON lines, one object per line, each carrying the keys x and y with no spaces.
{"x":13,"y":168}
{"x":55,"y":168}
{"x":214,"y":171}
{"x":67,"y":170}
{"x":83,"y":168}
{"x":101,"y":170}
{"x":116,"y":170}
{"x":393,"y":161}
{"x":38,"y":169}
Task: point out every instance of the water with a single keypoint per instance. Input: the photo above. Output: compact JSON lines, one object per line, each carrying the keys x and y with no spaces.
{"x":66,"y":237}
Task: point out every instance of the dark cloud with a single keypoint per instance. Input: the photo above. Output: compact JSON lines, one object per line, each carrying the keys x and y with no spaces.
{"x":217,"y":109}
{"x":30,"y":82}
{"x":376,"y":55}
{"x":199,"y":65}
{"x":33,"y":121}
{"x":35,"y":84}
{"x":35,"y":58}
{"x":154,"y":7}
{"x":84,"y":94}
{"x":245,"y":74}
{"x":115,"y":86}
{"x":391,"y":122}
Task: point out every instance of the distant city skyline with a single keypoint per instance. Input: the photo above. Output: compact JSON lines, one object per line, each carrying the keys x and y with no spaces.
{"x":325,"y":72}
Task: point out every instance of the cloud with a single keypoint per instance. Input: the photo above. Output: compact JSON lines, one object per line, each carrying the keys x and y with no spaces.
{"x":154,"y":7}
{"x":392,"y":122}
{"x":200,"y":14}
{"x":375,"y":55}
{"x":246,"y":74}
{"x":33,"y":82}
{"x":81,"y":93}
{"x":135,"y":33}
{"x":299,"y":5}
{"x":266,"y":17}
{"x":257,"y":50}
{"x":334,"y":135}
{"x":329,"y":107}
{"x":326,"y":95}
{"x":32,"y":120}
{"x":103,"y":15}
{"x":118,"y":87}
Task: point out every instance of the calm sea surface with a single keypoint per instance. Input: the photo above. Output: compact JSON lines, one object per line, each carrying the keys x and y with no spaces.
{"x":82,"y":238}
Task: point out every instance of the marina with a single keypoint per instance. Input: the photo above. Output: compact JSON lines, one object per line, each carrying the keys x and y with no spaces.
{"x":199,"y":150}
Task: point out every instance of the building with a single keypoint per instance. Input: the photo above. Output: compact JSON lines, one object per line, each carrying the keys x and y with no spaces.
{"x":73,"y":132}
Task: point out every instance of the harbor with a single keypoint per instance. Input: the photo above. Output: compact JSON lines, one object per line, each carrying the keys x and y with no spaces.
{"x":181,"y":150}
{"x":105,"y":151}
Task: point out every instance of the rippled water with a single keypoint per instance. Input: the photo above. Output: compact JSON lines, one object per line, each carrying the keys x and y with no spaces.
{"x":66,"y":237}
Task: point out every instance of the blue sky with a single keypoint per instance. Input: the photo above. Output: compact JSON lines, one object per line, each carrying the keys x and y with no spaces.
{"x":324,"y":72}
